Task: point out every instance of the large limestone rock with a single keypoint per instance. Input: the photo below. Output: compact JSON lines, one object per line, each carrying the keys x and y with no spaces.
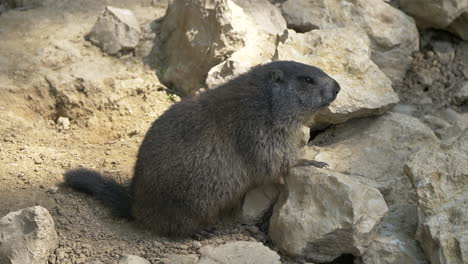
{"x":437,"y":13}
{"x":393,"y":34}
{"x":374,"y":151}
{"x":259,"y":49}
{"x":394,"y":242}
{"x":375,"y":148}
{"x":116,"y":30}
{"x":239,"y":252}
{"x":325,"y":214}
{"x":27,"y":236}
{"x":439,"y":173}
{"x":266,"y":17}
{"x":441,"y":14}
{"x":460,"y":26}
{"x":257,"y":202}
{"x":197,"y":35}
{"x":344,"y":53}
{"x":261,"y":22}
{"x":392,"y":250}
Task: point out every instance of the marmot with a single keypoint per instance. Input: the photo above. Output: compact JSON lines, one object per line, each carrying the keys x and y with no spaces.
{"x":199,"y":159}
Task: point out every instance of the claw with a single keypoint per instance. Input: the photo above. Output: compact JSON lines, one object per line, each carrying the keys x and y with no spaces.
{"x":318,"y":164}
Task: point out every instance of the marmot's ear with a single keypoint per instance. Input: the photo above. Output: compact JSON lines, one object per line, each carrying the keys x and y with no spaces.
{"x":277,"y":75}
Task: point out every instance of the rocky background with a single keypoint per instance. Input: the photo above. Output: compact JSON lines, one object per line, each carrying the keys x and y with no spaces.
{"x":82,"y":80}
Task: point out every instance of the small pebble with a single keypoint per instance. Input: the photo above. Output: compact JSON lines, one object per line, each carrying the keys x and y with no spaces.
{"x":196,"y":244}
{"x":184,"y":247}
{"x":132,"y":259}
{"x":63,"y":122}
{"x":436,"y":122}
{"x":253,"y":229}
{"x":53,"y":190}
{"x":425,"y":100}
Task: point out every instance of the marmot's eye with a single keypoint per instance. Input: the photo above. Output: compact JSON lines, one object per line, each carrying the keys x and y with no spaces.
{"x":309,"y":80}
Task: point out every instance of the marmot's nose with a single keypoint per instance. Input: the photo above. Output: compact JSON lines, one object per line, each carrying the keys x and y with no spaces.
{"x":336,"y":87}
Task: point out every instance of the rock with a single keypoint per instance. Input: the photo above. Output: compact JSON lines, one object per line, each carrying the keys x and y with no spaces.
{"x":303,"y":16}
{"x":239,"y":252}
{"x":405,"y":109}
{"x":257,"y":202}
{"x":266,"y":16}
{"x":444,"y":50}
{"x":253,"y":229}
{"x":196,"y":36}
{"x":426,"y":76}
{"x":27,"y":236}
{"x":116,"y":30}
{"x":393,"y":34}
{"x":183,"y":259}
{"x":373,"y":151}
{"x":392,"y":250}
{"x":462,"y":52}
{"x":426,"y":100}
{"x":448,"y":133}
{"x":196,"y":244}
{"x":436,"y":122}
{"x":459,"y":26}
{"x":436,"y":13}
{"x":447,"y":123}
{"x":439,"y":174}
{"x":63,"y":122}
{"x":454,"y":118}
{"x":394,"y":242}
{"x":263,"y":21}
{"x":442,"y":14}
{"x":259,"y":49}
{"x":325,"y":214}
{"x":38,"y":160}
{"x":132,"y":259}
{"x":375,"y":148}
{"x":344,"y":54}
{"x":461,"y":97}
{"x":53,"y":190}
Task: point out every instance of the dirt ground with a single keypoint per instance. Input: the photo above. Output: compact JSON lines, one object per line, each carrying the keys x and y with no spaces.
{"x":48,"y":70}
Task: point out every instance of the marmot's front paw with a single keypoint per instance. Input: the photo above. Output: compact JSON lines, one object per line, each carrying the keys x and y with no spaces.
{"x":318,"y":164}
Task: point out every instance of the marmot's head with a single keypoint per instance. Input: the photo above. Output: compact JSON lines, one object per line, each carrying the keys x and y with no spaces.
{"x":305,"y":87}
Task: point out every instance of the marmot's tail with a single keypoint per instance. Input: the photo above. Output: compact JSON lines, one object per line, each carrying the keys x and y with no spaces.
{"x":102,"y":187}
